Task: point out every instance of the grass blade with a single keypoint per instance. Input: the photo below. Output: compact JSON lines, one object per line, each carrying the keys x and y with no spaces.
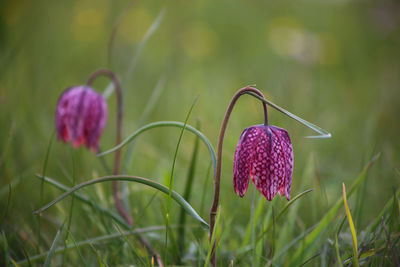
{"x":114,"y":32}
{"x":187,"y":193}
{"x":71,"y":208}
{"x":213,"y":237}
{"x":165,"y":124}
{"x":128,"y":74}
{"x":283,"y":210}
{"x":145,"y":114}
{"x":310,"y":239}
{"x":47,"y":262}
{"x":6,"y":249}
{"x":387,"y":207}
{"x":352,"y":228}
{"x":171,"y":180}
{"x":97,"y":239}
{"x":131,"y":246}
{"x":86,"y":200}
{"x":174,"y":195}
{"x":42,"y":186}
{"x":152,"y":29}
{"x":7,"y":204}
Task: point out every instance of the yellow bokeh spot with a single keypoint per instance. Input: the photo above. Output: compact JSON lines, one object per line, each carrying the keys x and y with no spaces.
{"x":135,"y":24}
{"x":285,"y":35}
{"x":289,"y":39}
{"x":198,"y":41}
{"x":88,"y":20}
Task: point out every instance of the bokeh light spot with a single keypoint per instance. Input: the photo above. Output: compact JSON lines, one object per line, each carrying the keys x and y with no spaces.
{"x":198,"y":41}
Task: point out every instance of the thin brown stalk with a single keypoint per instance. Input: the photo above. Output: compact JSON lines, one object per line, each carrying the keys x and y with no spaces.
{"x":394,"y":254}
{"x":217,"y":176}
{"x":117,"y":159}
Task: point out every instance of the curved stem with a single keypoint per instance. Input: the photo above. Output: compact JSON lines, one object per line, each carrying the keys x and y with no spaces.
{"x":117,"y":158}
{"x":217,"y":176}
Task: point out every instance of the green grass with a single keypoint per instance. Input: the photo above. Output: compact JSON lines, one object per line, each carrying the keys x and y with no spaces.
{"x":333,"y":63}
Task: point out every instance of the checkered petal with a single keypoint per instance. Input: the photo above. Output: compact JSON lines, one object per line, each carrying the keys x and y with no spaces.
{"x":265,"y":154}
{"x":284,"y":139}
{"x":243,"y":159}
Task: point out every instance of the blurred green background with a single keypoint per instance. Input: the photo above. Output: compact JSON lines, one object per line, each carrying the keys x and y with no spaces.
{"x":335,"y":63}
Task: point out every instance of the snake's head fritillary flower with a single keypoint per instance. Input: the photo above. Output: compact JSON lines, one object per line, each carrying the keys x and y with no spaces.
{"x":81,"y":116}
{"x":265,"y":154}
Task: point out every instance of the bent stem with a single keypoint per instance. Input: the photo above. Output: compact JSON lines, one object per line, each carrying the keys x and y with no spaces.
{"x":217,"y":176}
{"x":117,"y":158}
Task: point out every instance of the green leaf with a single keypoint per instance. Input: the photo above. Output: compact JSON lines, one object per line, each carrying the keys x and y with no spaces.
{"x":213,"y":238}
{"x":283,"y":210}
{"x":151,"y":103}
{"x":187,"y":193}
{"x":175,"y":196}
{"x":6,"y":248}
{"x":134,"y":59}
{"x":310,"y":240}
{"x":93,"y":240}
{"x":86,"y":200}
{"x":171,"y":180}
{"x":352,"y":228}
{"x":165,"y":124}
{"x":322,"y":132}
{"x":47,"y":263}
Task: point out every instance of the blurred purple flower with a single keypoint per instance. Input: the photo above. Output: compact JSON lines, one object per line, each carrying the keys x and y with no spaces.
{"x":80,"y":116}
{"x":265,"y":153}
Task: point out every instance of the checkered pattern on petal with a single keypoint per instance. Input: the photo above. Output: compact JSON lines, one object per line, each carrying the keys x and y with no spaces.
{"x":265,"y":153}
{"x":286,"y":144}
{"x":243,"y":159}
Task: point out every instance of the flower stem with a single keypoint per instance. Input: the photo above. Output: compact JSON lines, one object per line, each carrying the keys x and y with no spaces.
{"x":217,"y":176}
{"x":117,"y":158}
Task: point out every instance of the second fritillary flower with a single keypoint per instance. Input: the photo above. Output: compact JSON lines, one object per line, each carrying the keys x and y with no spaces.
{"x":81,"y":116}
{"x":265,"y":154}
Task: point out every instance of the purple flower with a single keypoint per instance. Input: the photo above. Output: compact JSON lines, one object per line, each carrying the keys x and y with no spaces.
{"x":80,"y":116}
{"x":265,"y":154}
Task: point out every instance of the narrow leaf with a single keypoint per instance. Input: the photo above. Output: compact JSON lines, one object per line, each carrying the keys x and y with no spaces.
{"x":322,"y":133}
{"x":86,"y":200}
{"x":93,"y":240}
{"x":213,"y":238}
{"x":165,"y":124}
{"x":310,"y":240}
{"x":352,"y":228}
{"x":129,"y":70}
{"x":47,"y":263}
{"x":175,"y":196}
{"x":187,"y":194}
{"x":283,"y":210}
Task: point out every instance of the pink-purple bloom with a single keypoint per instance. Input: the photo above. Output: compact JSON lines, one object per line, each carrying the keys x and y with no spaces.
{"x":265,"y":154}
{"x":81,"y":116}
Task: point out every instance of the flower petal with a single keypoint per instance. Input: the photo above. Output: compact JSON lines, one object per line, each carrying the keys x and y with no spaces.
{"x":268,"y":170}
{"x":243,"y":159}
{"x":80,"y":116}
{"x":286,"y":144}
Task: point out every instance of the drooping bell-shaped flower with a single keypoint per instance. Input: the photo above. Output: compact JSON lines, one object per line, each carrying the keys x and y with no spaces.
{"x":81,"y":116}
{"x":265,"y":154}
